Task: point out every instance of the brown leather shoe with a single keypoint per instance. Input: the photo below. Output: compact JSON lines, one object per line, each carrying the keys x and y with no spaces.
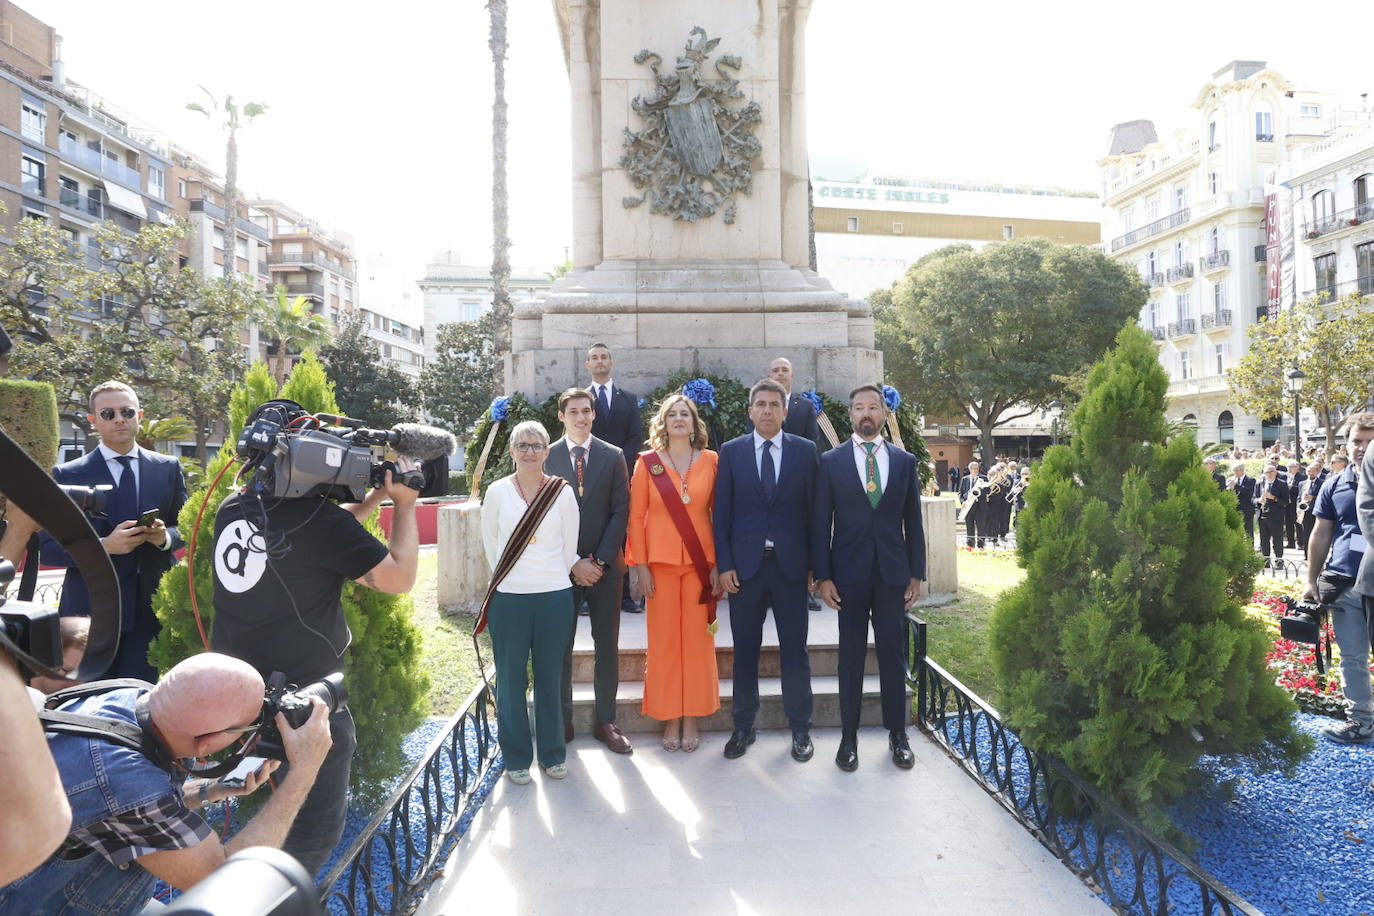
{"x":612,"y":737}
{"x":567,"y":733}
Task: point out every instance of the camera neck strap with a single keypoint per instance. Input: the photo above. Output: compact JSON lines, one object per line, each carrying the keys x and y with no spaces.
{"x":142,"y":737}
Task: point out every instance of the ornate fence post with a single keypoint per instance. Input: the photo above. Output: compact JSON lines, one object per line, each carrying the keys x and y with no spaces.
{"x":916,"y":664}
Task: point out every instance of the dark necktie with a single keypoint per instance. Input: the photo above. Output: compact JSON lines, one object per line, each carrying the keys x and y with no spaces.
{"x":603,"y":404}
{"x":579,"y":452}
{"x":768,"y":475}
{"x":872,"y":484}
{"x":128,"y":488}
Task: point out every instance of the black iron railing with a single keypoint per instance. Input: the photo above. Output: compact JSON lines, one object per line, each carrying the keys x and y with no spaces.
{"x":399,"y":852}
{"x":1111,"y":852}
{"x":1149,"y":230}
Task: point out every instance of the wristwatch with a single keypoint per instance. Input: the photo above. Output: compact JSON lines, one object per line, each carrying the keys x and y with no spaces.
{"x":597,"y":560}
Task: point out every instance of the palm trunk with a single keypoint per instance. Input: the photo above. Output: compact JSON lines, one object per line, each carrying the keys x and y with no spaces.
{"x":500,"y":198}
{"x":231,"y":205}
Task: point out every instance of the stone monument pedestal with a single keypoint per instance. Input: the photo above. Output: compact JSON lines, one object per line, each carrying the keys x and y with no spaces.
{"x":690,"y":205}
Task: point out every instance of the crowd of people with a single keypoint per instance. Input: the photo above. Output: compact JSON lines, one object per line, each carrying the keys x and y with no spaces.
{"x":767,"y":519}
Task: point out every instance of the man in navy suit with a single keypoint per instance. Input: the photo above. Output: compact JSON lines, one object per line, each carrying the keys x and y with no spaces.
{"x":143,"y":481}
{"x":869,"y":556}
{"x":762,"y":507}
{"x":619,"y":423}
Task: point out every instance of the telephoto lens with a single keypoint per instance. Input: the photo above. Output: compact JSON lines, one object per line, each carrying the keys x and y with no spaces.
{"x":295,"y":708}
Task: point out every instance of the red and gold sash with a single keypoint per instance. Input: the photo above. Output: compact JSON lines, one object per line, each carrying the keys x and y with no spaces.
{"x":529,"y":523}
{"x":685,"y":530}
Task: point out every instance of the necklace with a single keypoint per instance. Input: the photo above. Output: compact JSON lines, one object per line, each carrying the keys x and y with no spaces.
{"x":682,"y":475}
{"x":521,"y":490}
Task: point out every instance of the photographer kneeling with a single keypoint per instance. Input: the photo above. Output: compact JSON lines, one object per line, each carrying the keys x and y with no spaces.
{"x":131,"y":813}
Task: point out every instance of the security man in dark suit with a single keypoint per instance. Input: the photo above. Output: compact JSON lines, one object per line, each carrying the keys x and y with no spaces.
{"x":1271,"y":500}
{"x":762,"y":510}
{"x":869,"y":555}
{"x":595,"y":471}
{"x":144,"y":482}
{"x":1244,"y":486}
{"x":617,"y":423}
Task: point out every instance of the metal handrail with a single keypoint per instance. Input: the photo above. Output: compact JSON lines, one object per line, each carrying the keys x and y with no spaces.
{"x":1177,"y":218}
{"x":1070,"y":817}
{"x":1216,"y":260}
{"x":439,"y":788}
{"x":1180,"y":272}
{"x":1360,"y":213}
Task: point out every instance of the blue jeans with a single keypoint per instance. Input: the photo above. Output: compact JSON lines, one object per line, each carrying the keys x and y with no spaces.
{"x":1350,"y":620}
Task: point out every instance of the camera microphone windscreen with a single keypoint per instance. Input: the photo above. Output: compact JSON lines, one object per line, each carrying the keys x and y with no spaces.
{"x":415,"y":440}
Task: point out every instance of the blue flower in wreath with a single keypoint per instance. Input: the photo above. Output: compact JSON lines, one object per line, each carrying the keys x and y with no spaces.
{"x":701,"y":392}
{"x":892,"y":397}
{"x":815,"y":400}
{"x":500,"y":408}
{"x":642,"y":403}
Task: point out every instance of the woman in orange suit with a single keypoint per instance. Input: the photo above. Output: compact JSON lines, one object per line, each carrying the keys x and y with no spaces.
{"x":680,"y":678}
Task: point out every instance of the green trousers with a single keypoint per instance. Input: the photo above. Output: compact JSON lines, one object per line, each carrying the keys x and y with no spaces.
{"x":524,"y":627}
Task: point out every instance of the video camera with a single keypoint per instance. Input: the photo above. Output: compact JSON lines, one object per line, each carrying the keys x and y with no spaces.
{"x":294,"y":705}
{"x":295,"y":453}
{"x":1303,"y":621}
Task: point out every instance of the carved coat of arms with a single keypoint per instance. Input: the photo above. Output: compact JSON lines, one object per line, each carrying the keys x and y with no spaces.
{"x":697,"y":145}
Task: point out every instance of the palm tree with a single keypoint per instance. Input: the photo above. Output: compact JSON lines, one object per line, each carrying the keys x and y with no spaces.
{"x":169,"y":429}
{"x":500,"y":197}
{"x":291,"y":326}
{"x":234,"y":117}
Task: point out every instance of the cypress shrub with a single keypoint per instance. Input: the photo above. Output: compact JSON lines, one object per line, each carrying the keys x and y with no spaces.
{"x":28,"y":414}
{"x":1125,"y":651}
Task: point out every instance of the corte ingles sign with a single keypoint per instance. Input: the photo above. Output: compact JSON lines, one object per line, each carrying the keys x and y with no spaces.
{"x":1272,"y":251}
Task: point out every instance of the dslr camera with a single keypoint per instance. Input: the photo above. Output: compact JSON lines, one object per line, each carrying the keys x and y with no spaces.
{"x":294,"y":705}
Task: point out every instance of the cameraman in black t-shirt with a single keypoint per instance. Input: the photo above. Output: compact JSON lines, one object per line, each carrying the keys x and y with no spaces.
{"x":280,"y":568}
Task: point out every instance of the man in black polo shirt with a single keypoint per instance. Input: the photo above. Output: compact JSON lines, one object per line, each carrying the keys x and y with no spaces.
{"x":1334,"y":551}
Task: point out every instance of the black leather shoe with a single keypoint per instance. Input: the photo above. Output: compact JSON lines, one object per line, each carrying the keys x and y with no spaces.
{"x":739,"y":742}
{"x":901,"y":750}
{"x":847,"y":757}
{"x":802,"y":748}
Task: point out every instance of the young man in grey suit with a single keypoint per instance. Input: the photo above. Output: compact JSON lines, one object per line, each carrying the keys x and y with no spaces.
{"x":596,"y":472}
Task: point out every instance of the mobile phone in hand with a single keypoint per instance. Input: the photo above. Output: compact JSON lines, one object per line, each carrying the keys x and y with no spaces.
{"x":238,"y":777}
{"x":147,"y":518}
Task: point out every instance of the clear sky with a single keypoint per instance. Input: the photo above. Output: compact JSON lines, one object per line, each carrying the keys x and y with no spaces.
{"x":379,"y":120}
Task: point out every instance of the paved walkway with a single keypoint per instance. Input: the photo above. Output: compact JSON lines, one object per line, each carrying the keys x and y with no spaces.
{"x":696,"y":833}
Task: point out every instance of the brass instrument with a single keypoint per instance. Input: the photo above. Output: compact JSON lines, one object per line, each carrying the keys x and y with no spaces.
{"x":1017,"y":489}
{"x":999,"y":480}
{"x":975,"y":493}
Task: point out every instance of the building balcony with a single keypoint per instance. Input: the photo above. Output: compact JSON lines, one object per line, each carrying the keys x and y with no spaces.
{"x":1219,"y":319}
{"x":1157,"y":332}
{"x":1261,"y":313}
{"x":1150,"y":230}
{"x":1185,"y":328}
{"x":312,"y":260}
{"x":1361,"y":285}
{"x":1154,"y":280}
{"x":1179,"y":273}
{"x":94,"y":160}
{"x":1215,"y":261}
{"x":1345,"y":219}
{"x":215,"y":211}
{"x":1264,"y":138}
{"x":313,"y":290}
{"x":1261,"y":254}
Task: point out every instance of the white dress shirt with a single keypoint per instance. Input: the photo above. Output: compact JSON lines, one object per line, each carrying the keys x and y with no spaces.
{"x":595,"y":389}
{"x":861,"y":459}
{"x":586,"y":452}
{"x":777,"y":455}
{"x":545,"y":564}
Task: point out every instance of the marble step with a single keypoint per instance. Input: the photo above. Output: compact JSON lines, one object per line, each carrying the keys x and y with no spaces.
{"x":825,"y":710}
{"x":825,"y":659}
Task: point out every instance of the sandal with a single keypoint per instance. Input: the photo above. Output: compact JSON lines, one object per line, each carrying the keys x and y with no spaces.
{"x":691,"y":744}
{"x":673,"y":742}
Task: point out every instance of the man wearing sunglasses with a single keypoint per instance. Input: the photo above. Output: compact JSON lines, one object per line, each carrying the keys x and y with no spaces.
{"x":133,"y":817}
{"x":143,"y":481}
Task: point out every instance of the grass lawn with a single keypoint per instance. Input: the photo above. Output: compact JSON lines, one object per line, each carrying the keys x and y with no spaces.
{"x":958,"y":631}
{"x":446,"y":643}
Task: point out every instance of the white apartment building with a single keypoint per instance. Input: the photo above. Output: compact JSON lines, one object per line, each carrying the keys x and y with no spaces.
{"x":869,"y":231}
{"x":1188,"y":212}
{"x":1331,"y":202}
{"x":400,"y":344}
{"x":453,"y":291}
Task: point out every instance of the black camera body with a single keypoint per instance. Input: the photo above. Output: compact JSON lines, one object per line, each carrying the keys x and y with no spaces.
{"x":1303,"y":622}
{"x":30,"y":626}
{"x":294,"y":705}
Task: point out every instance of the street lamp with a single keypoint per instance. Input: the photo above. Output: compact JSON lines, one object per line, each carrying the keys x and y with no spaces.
{"x":1295,"y":380}
{"x":1057,"y":406}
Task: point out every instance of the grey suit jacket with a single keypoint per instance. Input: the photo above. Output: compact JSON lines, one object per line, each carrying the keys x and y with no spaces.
{"x":1364,"y":505}
{"x":604,"y":502}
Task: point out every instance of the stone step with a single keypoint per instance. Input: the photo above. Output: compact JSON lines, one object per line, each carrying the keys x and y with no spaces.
{"x":825,"y":710}
{"x":825,"y":659}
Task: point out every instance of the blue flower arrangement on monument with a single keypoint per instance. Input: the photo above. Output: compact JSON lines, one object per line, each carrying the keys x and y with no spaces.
{"x":701,"y":391}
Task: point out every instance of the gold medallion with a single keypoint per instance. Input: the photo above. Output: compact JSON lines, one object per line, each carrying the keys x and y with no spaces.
{"x":871,"y":486}
{"x":656,"y":469}
{"x":533,"y":539}
{"x":579,"y":489}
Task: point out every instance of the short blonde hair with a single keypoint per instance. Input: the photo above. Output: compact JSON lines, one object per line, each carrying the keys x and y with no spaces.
{"x":524,"y":432}
{"x":658,"y":426}
{"x":105,"y":387}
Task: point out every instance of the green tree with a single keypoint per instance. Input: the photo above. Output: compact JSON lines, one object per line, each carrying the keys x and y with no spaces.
{"x":367,"y":386}
{"x":291,"y":327}
{"x":232,"y":117}
{"x":457,"y":385}
{"x":1331,"y":342}
{"x":989,"y":330}
{"x":1125,"y":651}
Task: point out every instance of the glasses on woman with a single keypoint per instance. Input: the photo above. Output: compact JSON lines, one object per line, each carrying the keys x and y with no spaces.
{"x":108,"y":413}
{"x":530,"y":448}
